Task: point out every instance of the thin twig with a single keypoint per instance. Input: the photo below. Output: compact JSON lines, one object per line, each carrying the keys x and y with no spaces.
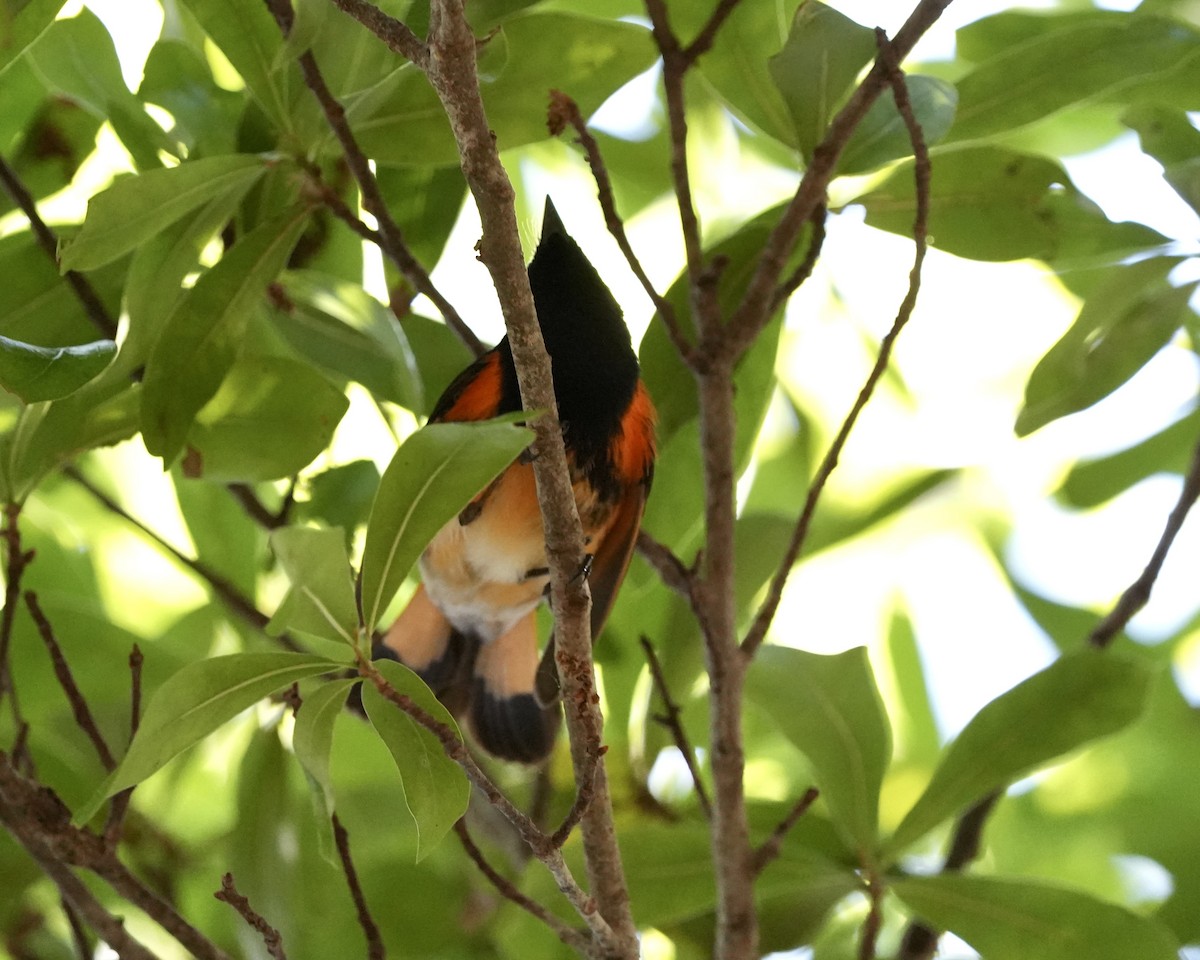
{"x":93,"y":306}
{"x":671,"y":720}
{"x":267,"y":519}
{"x":804,"y":270}
{"x":708,"y":33}
{"x":671,"y":570}
{"x":573,"y":938}
{"x":585,"y":794}
{"x":16,"y":560}
{"x":370,"y":929}
{"x":223,"y":588}
{"x":754,"y":312}
{"x":773,"y":845}
{"x":393,"y":242}
{"x":874,"y":921}
{"x":62,"y":670}
{"x":762,"y":622}
{"x":120,"y":803}
{"x":920,"y":940}
{"x":565,"y":111}
{"x":1137,"y":594}
{"x":83,"y":949}
{"x":539,"y":844}
{"x":270,"y":936}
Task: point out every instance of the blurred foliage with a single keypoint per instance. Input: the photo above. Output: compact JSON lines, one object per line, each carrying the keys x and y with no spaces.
{"x":252,"y":367}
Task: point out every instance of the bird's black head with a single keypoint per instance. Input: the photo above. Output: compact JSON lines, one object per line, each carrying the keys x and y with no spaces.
{"x":595,"y":368}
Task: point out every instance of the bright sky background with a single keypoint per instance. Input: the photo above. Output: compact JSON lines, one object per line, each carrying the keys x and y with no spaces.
{"x":976,"y":332}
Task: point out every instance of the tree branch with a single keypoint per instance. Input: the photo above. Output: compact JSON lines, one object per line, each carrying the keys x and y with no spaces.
{"x":391,"y":236}
{"x":569,"y":935}
{"x":270,"y":936}
{"x":96,"y":312}
{"x":921,"y":172}
{"x":370,"y":929}
{"x":773,"y":845}
{"x":673,"y":723}
{"x":1137,"y":594}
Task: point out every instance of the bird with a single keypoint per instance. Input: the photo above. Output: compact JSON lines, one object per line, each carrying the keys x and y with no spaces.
{"x":470,"y":629}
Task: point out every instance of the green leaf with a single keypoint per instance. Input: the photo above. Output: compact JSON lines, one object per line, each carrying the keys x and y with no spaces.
{"x":250,"y":38}
{"x":1119,"y":329}
{"x":1081,"y":697}
{"x":204,"y":333}
{"x":195,"y":702}
{"x":1032,"y":920}
{"x":738,"y":65}
{"x":1168,"y":136}
{"x":134,"y":209}
{"x":436,"y":790}
{"x":402,"y":123}
{"x":433,"y":475}
{"x":341,"y":496}
{"x":77,"y":59}
{"x":1090,"y":483}
{"x":992,"y":203}
{"x":882,"y":137}
{"x":824,"y":53}
{"x":269,"y":419}
{"x":312,"y":739}
{"x":342,"y":329}
{"x":1057,"y":68}
{"x":321,"y":598}
{"x":21,"y":24}
{"x":830,"y":708}
{"x":47,"y":373}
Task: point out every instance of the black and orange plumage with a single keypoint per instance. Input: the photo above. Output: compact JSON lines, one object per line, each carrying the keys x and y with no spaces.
{"x":470,"y":629}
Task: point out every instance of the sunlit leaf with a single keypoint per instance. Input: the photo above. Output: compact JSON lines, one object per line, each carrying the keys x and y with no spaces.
{"x":1168,"y":136}
{"x":1081,"y":697}
{"x":1118,"y":330}
{"x":47,"y":373}
{"x":436,"y":790}
{"x":134,"y":209}
{"x":22,"y":26}
{"x":830,"y":708}
{"x":882,"y":137}
{"x":433,"y":475}
{"x":1032,"y":920}
{"x":193,"y":703}
{"x":322,"y":593}
{"x":824,"y":53}
{"x":204,"y":332}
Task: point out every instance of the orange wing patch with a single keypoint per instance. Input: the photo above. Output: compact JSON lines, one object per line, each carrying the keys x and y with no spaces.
{"x":632,"y":450}
{"x":480,"y":398}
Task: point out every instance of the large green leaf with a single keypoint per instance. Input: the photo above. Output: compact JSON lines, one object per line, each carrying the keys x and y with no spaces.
{"x":824,"y":53}
{"x":77,"y":59}
{"x":193,"y":703}
{"x":1057,"y":68}
{"x":204,"y":333}
{"x":992,"y":203}
{"x":47,"y":373}
{"x":1081,"y":697}
{"x":1123,"y":324}
{"x":269,"y":419}
{"x":830,"y":708}
{"x":321,"y":598}
{"x":433,"y":475}
{"x":21,"y":24}
{"x":1090,"y":483}
{"x":312,"y":740}
{"x":1032,"y":920}
{"x":402,"y":123}
{"x":436,"y":790}
{"x":134,"y":209}
{"x":882,"y":136}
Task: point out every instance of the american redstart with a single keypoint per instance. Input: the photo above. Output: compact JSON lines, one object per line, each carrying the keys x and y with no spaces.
{"x":470,"y":630}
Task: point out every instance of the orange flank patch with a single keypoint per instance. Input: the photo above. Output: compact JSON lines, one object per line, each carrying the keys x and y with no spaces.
{"x":507,"y":665}
{"x":481,"y":397}
{"x":420,"y":634}
{"x":633,"y":449}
